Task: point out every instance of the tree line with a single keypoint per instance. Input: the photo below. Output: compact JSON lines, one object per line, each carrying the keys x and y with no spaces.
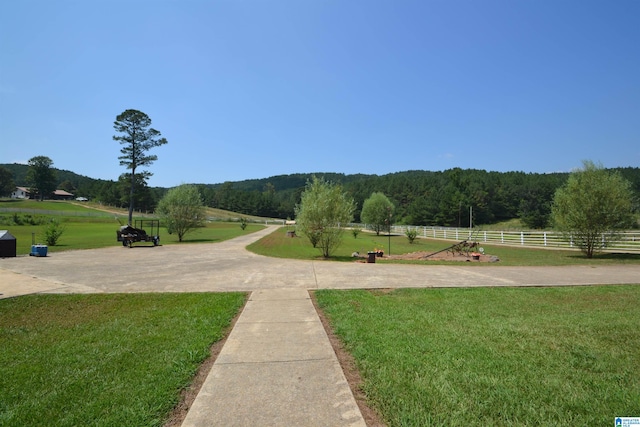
{"x":432,"y":198}
{"x":442,"y":198}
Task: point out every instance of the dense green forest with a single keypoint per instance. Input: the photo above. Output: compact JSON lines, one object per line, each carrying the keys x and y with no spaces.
{"x":441,"y":198}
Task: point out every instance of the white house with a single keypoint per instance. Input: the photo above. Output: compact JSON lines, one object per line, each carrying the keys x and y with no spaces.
{"x":24,"y":193}
{"x":20,"y":193}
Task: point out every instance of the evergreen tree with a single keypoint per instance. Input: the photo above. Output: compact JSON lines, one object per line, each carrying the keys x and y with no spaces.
{"x":137,"y":137}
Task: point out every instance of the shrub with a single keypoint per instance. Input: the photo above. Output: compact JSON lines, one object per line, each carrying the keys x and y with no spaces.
{"x":411,"y":234}
{"x":52,"y":232}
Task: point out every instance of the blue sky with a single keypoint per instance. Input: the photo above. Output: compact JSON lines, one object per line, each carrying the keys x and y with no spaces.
{"x":249,"y":89}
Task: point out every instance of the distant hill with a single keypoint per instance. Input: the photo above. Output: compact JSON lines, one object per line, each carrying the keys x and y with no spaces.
{"x":279,"y":182}
{"x":441,"y":198}
{"x":290,"y":182}
{"x":283,"y":182}
{"x":19,"y":172}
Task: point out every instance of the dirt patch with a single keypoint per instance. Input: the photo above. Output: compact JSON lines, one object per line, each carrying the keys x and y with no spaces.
{"x":442,"y":256}
{"x":445,"y":256}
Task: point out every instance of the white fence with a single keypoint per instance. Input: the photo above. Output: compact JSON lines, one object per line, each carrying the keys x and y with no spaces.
{"x":629,"y":240}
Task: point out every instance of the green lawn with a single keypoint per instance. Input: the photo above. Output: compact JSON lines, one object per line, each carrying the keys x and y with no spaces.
{"x":104,"y":360}
{"x":86,"y":227}
{"x":277,"y":244}
{"x":88,"y":233}
{"x":494,"y":356}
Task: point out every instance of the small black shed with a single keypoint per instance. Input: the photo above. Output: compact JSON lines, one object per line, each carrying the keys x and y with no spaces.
{"x":7,"y":244}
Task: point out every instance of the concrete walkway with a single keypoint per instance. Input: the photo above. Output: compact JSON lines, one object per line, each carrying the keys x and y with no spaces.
{"x":277,"y":367}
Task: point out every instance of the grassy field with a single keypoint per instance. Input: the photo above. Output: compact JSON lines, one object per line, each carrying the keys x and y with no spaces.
{"x":277,"y":244}
{"x":494,"y":357}
{"x":53,"y":205}
{"x":104,"y":360}
{"x":86,"y":227}
{"x":101,"y":210}
{"x":80,"y":234}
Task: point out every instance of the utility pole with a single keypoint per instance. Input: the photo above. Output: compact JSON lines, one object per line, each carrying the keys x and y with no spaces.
{"x":389,"y":229}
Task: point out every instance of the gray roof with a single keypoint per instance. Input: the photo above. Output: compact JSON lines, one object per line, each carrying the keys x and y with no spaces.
{"x":5,"y":235}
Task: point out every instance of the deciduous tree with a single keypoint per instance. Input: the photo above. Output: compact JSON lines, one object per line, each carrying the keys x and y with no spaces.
{"x":137,"y":138}
{"x":41,"y":176}
{"x":182,"y":210}
{"x":322,"y":214}
{"x":376,"y":212}
{"x":592,"y":207}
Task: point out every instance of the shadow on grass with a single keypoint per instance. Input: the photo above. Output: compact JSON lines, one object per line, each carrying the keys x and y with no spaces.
{"x":609,"y":256}
{"x":341,"y":258}
{"x":199,"y":241}
{"x":618,"y":256}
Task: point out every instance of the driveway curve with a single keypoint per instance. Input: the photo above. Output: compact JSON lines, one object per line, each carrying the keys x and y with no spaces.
{"x":228,"y":266}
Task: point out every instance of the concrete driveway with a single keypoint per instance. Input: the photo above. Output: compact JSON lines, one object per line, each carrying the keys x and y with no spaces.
{"x":277,"y":367}
{"x":228,"y":266}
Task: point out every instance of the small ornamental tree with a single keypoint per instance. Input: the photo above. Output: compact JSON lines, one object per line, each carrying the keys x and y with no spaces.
{"x":137,"y":137}
{"x":181,"y":210}
{"x":322,"y":214}
{"x":376,"y":211}
{"x":592,"y":207}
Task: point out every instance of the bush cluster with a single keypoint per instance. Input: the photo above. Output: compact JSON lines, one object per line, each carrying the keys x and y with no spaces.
{"x":22,"y":219}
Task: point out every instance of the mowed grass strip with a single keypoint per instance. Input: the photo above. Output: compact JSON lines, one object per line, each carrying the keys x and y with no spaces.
{"x":494,"y":356}
{"x":104,"y":360}
{"x":91,"y":233}
{"x":279,"y":245}
{"x":49,"y":205}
